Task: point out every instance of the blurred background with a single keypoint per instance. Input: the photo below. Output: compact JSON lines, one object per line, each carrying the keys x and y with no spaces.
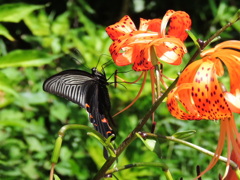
{"x":40,"y":38}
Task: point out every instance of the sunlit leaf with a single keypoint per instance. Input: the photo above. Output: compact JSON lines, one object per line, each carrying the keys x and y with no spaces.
{"x":30,"y":169}
{"x":25,"y":58}
{"x":14,"y":122}
{"x":152,"y":144}
{"x":61,"y":24}
{"x":34,"y":144}
{"x":64,"y":167}
{"x":59,"y":111}
{"x":7,"y":92}
{"x":96,"y":153}
{"x":14,"y":142}
{"x":56,"y":177}
{"x":38,"y":23}
{"x":65,"y":153}
{"x":4,"y":86}
{"x":34,"y":98}
{"x":4,"y":32}
{"x":86,"y":6}
{"x":14,"y":12}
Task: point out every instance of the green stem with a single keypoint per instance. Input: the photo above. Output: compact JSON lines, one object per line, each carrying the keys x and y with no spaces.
{"x":138,"y":128}
{"x":142,"y":122}
{"x":148,"y":164}
{"x":168,"y":175}
{"x":234,"y":19}
{"x":180,"y":141}
{"x":65,"y":128}
{"x":105,"y":142}
{"x":91,"y":131}
{"x":237,"y":173}
{"x":56,"y":150}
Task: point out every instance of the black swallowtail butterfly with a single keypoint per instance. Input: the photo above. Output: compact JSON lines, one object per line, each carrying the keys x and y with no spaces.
{"x":88,"y":91}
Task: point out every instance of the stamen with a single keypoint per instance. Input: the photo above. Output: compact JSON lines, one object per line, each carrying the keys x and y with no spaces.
{"x":136,"y":98}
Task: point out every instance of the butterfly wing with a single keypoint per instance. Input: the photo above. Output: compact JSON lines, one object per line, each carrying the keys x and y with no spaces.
{"x":70,"y":84}
{"x":85,"y":90}
{"x":100,"y":115}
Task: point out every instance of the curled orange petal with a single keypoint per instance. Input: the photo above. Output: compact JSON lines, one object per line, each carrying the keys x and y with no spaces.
{"x":233,"y":101}
{"x":180,"y":103}
{"x":180,"y":22}
{"x":170,"y":50}
{"x":207,"y":93}
{"x":154,"y":25}
{"x":124,"y":26}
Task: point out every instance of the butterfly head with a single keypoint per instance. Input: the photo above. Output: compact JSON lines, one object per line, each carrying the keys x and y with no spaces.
{"x":100,"y":76}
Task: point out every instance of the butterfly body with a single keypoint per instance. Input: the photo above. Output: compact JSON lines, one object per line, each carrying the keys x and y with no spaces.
{"x":89,"y":91}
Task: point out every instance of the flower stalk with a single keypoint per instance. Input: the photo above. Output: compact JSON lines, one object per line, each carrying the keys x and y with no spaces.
{"x":92,"y":132}
{"x":163,"y":166}
{"x":198,"y":148}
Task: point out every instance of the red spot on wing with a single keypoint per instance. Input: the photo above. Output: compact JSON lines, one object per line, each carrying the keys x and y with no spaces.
{"x":109,"y":132}
{"x":104,"y":120}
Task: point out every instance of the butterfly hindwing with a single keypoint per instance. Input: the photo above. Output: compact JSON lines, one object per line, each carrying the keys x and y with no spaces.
{"x":87,"y":90}
{"x":99,"y":111}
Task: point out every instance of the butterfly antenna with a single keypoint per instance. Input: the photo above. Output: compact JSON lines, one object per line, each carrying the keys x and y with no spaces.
{"x":108,"y":63}
{"x":121,"y":83}
{"x":100,"y":59}
{"x":115,"y":78}
{"x":111,"y":76}
{"x":76,"y":55}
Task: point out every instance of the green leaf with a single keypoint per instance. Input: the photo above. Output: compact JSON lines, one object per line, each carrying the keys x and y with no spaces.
{"x":152,"y":144}
{"x":59,"y":111}
{"x":10,"y":114}
{"x":34,"y":144}
{"x":7,"y":92}
{"x":85,"y":5}
{"x":106,"y":144}
{"x":4,"y":32}
{"x":30,"y":169}
{"x":6,"y":87}
{"x":96,"y":153}
{"x":14,"y":142}
{"x":63,"y":152}
{"x":38,"y":24}
{"x":15,"y":12}
{"x":56,"y":177}
{"x":14,"y":123}
{"x":34,"y":98}
{"x":61,"y":24}
{"x":25,"y":58}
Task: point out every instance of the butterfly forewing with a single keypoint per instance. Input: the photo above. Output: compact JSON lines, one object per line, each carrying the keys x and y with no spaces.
{"x":87,"y":90}
{"x":73,"y":85}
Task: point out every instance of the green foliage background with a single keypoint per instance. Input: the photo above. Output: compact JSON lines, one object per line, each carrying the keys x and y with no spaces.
{"x":41,"y":38}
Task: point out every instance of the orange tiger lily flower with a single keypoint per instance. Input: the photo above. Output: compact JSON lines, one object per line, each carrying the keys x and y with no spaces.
{"x":132,"y":46}
{"x":145,"y":46}
{"x":200,"y":95}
